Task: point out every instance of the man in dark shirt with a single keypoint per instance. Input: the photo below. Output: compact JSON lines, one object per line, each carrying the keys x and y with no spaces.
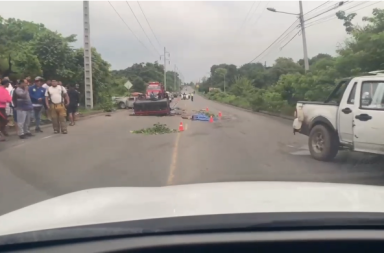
{"x":74,"y":99}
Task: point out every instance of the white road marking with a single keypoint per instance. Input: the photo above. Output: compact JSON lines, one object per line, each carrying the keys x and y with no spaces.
{"x":301,"y":152}
{"x":18,"y":145}
{"x":46,"y":137}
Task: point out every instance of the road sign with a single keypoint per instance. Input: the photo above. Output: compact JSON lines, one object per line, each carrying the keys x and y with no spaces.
{"x":128,"y":85}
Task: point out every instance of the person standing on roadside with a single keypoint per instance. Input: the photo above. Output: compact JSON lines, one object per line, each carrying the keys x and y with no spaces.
{"x":28,"y":79}
{"x":24,"y":108}
{"x":46,"y":109}
{"x":12,"y":105}
{"x":46,"y":84}
{"x":5,"y":98}
{"x":37,"y":94}
{"x":56,"y":98}
{"x":9,"y":109}
{"x":74,"y":98}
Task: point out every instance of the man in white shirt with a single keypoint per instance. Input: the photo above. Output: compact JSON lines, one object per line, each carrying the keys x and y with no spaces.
{"x":56,"y":99}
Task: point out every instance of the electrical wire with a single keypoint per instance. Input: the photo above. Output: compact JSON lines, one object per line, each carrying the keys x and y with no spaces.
{"x":254,"y":11}
{"x":273,"y":43}
{"x":261,"y":14}
{"x":287,"y":34}
{"x":142,"y":27}
{"x":130,"y":28}
{"x":333,"y":8}
{"x":316,"y":8}
{"x":281,"y":48}
{"x":246,"y":18}
{"x":149,"y":24}
{"x":315,"y":22}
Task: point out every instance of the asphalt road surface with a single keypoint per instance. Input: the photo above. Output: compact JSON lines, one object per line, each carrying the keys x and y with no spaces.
{"x":102,"y":152}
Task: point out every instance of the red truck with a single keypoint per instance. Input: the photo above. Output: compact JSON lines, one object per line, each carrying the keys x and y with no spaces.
{"x":157,"y":106}
{"x":156,"y":88}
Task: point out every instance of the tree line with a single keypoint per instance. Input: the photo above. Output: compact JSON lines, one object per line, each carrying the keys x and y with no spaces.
{"x":277,"y":88}
{"x":31,"y":49}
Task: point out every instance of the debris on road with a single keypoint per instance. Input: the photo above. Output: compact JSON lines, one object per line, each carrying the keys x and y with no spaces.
{"x":202,"y":115}
{"x":156,"y":129}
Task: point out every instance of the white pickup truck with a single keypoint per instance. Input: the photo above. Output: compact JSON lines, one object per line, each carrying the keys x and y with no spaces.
{"x":351,"y":118}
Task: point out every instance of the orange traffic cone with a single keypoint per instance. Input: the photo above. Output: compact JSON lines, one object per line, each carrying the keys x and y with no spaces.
{"x":219,"y":114}
{"x":181,"y":128}
{"x":211,"y":119}
{"x":206,"y":109}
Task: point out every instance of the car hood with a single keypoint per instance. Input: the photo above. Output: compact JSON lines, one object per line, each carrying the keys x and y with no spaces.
{"x":104,"y":205}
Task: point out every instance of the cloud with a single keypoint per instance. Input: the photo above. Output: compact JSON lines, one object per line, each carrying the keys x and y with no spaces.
{"x":197,"y":34}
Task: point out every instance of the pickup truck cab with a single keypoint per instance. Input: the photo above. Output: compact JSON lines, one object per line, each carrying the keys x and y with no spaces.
{"x":351,"y":118}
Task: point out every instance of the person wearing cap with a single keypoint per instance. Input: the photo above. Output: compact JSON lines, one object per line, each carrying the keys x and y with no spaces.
{"x":5,"y":98}
{"x":37,"y":94}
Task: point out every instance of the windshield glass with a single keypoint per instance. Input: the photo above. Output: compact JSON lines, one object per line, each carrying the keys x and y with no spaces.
{"x":153,"y":87}
{"x":198,"y":108}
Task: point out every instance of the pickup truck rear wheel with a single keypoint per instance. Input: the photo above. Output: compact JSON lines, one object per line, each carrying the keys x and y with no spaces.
{"x":122,"y":105}
{"x":322,"y":143}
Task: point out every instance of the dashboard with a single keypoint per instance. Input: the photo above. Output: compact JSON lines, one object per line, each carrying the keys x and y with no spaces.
{"x":308,"y":241}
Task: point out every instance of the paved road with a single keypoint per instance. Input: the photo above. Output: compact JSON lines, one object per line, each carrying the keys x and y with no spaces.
{"x":101,"y":152}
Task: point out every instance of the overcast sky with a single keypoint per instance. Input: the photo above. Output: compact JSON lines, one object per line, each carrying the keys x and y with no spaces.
{"x":197,"y":34}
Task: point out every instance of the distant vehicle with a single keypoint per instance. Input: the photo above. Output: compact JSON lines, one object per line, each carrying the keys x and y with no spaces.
{"x":121,"y":102}
{"x":352,"y":118}
{"x":155,"y":87}
{"x":158,"y":105}
{"x":185,"y":96}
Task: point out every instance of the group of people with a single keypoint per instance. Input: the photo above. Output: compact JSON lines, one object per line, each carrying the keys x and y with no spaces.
{"x":24,"y":100}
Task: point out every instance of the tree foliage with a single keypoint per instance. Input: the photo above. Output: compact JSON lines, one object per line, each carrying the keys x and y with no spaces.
{"x":30,"y":49}
{"x":277,"y":88}
{"x":142,"y":73}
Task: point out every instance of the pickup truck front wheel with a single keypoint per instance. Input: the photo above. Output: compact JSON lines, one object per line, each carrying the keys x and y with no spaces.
{"x":322,"y":143}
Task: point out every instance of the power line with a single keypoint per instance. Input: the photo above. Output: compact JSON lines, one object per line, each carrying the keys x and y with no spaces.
{"x":316,"y":8}
{"x":254,"y":11}
{"x":337,"y":6}
{"x":142,"y":27}
{"x":286,"y":34}
{"x":316,"y":23}
{"x":149,"y":24}
{"x":290,"y":40}
{"x":356,"y":5}
{"x":246,"y":17}
{"x":261,"y":14}
{"x":130,"y":28}
{"x":332,"y":17}
{"x":294,"y":23}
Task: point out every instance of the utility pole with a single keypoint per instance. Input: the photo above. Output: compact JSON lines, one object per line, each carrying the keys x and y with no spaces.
{"x":174,"y":78}
{"x":306,"y":63}
{"x":87,"y":57}
{"x":224,"y":83}
{"x":301,"y":18}
{"x":165,"y":66}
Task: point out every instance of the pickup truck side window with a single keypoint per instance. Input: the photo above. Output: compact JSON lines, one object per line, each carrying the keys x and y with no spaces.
{"x":372,"y":96}
{"x":351,"y":98}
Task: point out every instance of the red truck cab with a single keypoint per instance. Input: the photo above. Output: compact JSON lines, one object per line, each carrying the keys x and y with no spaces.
{"x":154,"y":87}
